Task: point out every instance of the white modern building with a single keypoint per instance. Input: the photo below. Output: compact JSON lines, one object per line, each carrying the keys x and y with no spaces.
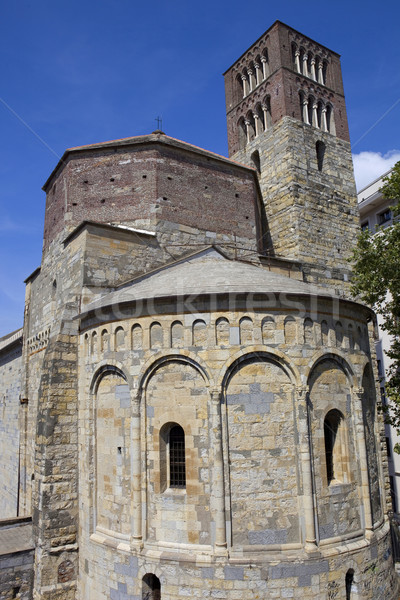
{"x":375,"y":212}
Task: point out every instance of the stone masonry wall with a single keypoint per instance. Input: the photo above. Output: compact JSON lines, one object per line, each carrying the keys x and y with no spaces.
{"x":10,"y":386}
{"x":262,"y":416}
{"x":312,"y":214}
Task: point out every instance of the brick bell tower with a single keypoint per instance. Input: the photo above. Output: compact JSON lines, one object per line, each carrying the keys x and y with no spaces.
{"x":286,"y":117}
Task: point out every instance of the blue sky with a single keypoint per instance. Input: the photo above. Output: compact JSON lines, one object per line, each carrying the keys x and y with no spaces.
{"x":80,"y":72}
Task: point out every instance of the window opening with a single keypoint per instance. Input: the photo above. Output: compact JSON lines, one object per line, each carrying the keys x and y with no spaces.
{"x":332,"y":451}
{"x":255,"y":158}
{"x":177,"y":467}
{"x":320,"y":150}
{"x":384,"y":216}
{"x":151,"y":587}
{"x":365,"y":226}
{"x":349,"y":583}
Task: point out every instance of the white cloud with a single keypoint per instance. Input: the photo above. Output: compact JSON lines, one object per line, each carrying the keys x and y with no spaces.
{"x":368,"y":166}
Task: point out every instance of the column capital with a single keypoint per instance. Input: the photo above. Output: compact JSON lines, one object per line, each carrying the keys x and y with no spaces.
{"x":256,"y":65}
{"x":263,"y":59}
{"x":297,"y":52}
{"x":216,"y":394}
{"x":243,"y":76}
{"x":250,"y":71}
{"x":246,"y":122}
{"x":302,"y":390}
{"x":313,"y":60}
{"x":358,"y":391}
{"x":255,"y":115}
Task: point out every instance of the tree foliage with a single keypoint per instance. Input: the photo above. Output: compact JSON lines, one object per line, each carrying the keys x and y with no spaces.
{"x":377,"y":282}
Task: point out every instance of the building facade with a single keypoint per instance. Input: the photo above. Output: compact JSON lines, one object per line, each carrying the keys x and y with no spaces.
{"x":195,"y":397}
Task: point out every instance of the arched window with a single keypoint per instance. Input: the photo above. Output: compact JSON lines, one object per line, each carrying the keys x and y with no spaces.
{"x":324,"y":71}
{"x":151,"y":587}
{"x":156,"y":335}
{"x":324,"y":334}
{"x":177,"y":466}
{"x":290,"y":330}
{"x":265,"y":64}
{"x":335,"y":446}
{"x":268,"y":330}
{"x":137,"y":337}
{"x":119,"y":338}
{"x":308,"y":331}
{"x":255,"y":159}
{"x":330,"y":123}
{"x":239,"y":83}
{"x":349,"y":583}
{"x":176,"y":335}
{"x":310,"y":110}
{"x":105,"y":341}
{"x":94,"y":343}
{"x":319,"y":115}
{"x":222,"y":331}
{"x":242,"y":133}
{"x":320,"y":150}
{"x":246,"y":330}
{"x":199,"y":333}
{"x":172,"y":457}
{"x":251,"y":126}
{"x":303,"y":108}
{"x":339,"y":334}
{"x":267,"y":115}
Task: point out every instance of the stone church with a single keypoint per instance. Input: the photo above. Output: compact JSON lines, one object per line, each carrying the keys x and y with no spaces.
{"x":190,"y":408}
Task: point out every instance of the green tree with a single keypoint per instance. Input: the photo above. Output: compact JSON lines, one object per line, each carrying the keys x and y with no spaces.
{"x":377,"y":282}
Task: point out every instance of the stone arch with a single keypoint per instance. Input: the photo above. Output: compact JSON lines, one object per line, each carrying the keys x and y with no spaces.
{"x":156,"y":335}
{"x":93,"y":343}
{"x":222,"y":331}
{"x":259,"y":392}
{"x":271,"y":355}
{"x":105,"y":341}
{"x":177,"y":333}
{"x":136,"y":337}
{"x":183,"y":356}
{"x":119,"y":338}
{"x":290,"y":330}
{"x":339,"y":334}
{"x":246,"y":330}
{"x":199,"y":333}
{"x":324,"y":333}
{"x":174,"y":391}
{"x":268,"y":327}
{"x":107,"y":367}
{"x":330,"y":381}
{"x":369,"y":407}
{"x":308,"y":326}
{"x":336,"y":356}
{"x":110,"y":440}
